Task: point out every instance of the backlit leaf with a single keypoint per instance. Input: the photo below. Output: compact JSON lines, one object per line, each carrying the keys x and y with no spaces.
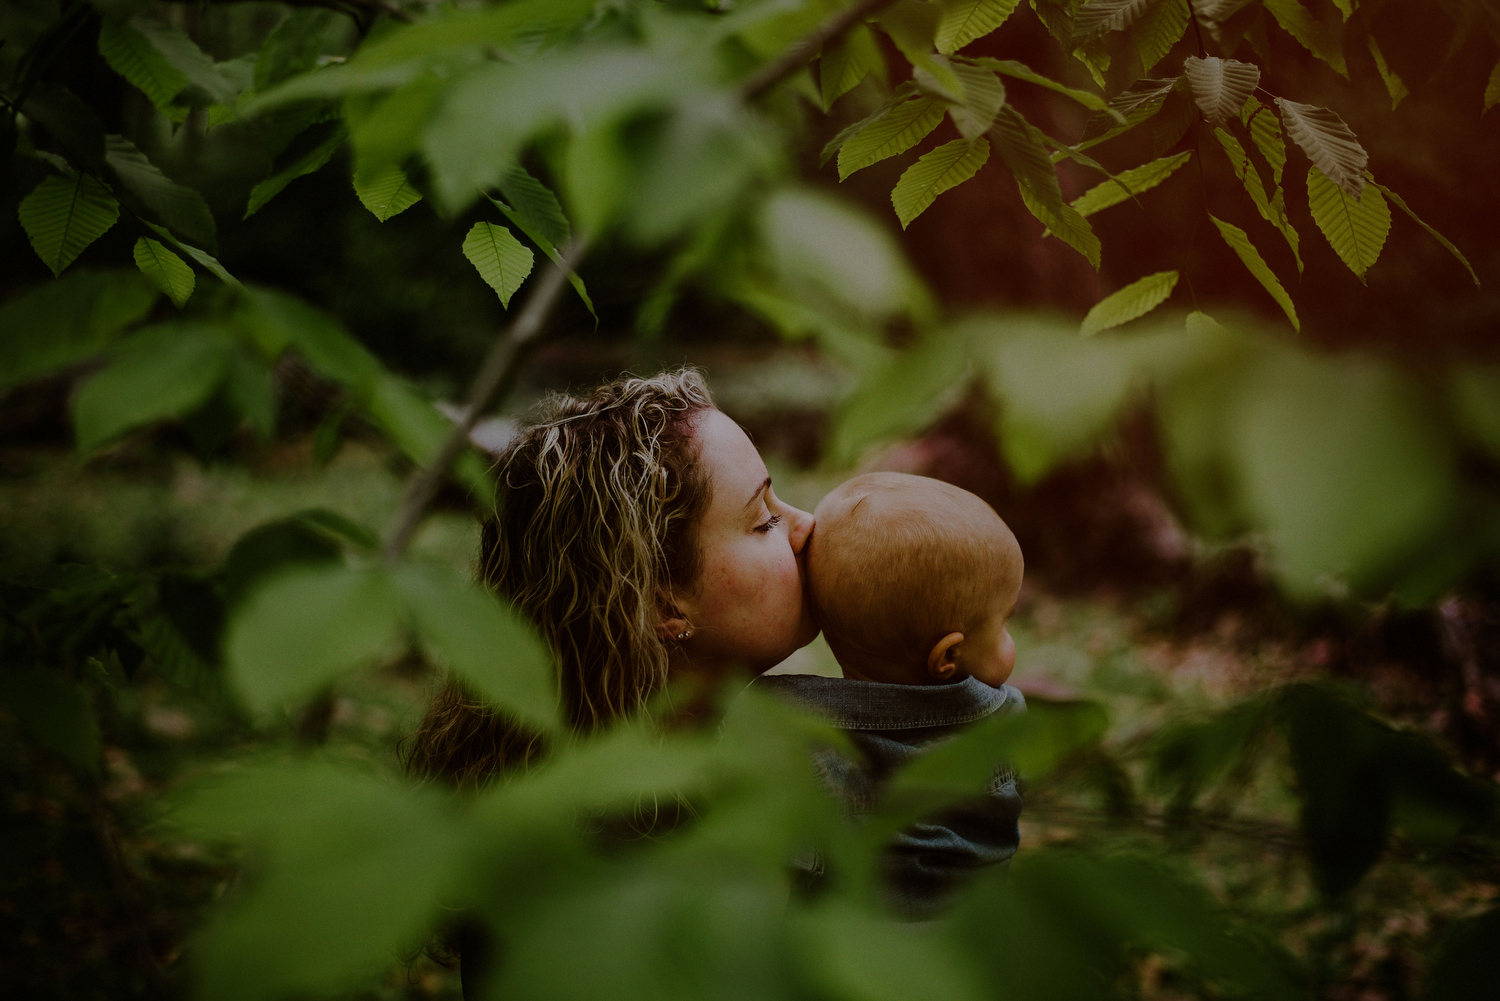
{"x":1220,"y":86}
{"x":1265,"y":132}
{"x":526,"y":225}
{"x":1020,"y":71}
{"x":1328,"y":143}
{"x":183,"y":54}
{"x":534,"y":202}
{"x":1160,"y":29}
{"x":937,"y":171}
{"x":1098,"y":16}
{"x":63,"y":215}
{"x":499,"y":257}
{"x":894,"y":131}
{"x":1394,"y":85}
{"x":166,"y":270}
{"x":1356,"y":229}
{"x":1137,"y":103}
{"x":162,"y":372}
{"x":1020,"y":145}
{"x":387,"y":194}
{"x":308,"y":162}
{"x":1129,"y":183}
{"x":983,"y":96}
{"x":1440,"y":238}
{"x":1134,"y":300}
{"x":1271,"y":207}
{"x":1241,"y":245}
{"x":130,"y":54}
{"x":1301,"y":25}
{"x":68,"y":320}
{"x":293,"y":46}
{"x":962,"y":21}
{"x":847,"y":61}
{"x":203,"y":257}
{"x":177,"y":206}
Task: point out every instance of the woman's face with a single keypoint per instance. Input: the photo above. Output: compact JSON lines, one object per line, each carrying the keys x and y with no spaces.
{"x":748,"y":607}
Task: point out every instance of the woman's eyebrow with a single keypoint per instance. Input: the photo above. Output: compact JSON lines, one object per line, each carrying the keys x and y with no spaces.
{"x":758,"y":491}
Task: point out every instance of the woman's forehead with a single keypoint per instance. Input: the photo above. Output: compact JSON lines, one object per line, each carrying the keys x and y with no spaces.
{"x":734,"y":466}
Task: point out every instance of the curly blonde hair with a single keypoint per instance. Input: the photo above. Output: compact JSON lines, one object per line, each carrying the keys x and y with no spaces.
{"x":593,"y":530}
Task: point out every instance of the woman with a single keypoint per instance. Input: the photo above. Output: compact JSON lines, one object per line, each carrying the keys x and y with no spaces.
{"x":638,"y":530}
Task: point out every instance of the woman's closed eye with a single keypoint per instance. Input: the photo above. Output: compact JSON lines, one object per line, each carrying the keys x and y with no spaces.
{"x":769,"y":523}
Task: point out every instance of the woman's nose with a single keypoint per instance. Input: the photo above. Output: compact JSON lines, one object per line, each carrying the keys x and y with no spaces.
{"x":801,"y":528}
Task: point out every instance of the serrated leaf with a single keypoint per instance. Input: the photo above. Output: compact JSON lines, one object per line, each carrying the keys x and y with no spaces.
{"x":1220,"y":86}
{"x":166,"y":270}
{"x":63,"y":215}
{"x":130,"y":54}
{"x":1160,"y":29}
{"x":1265,"y":132}
{"x":1099,"y":16}
{"x":1440,"y":238}
{"x":847,"y":61}
{"x":1271,"y":207}
{"x":534,"y":202}
{"x":387,"y":194}
{"x":293,"y":46}
{"x":1020,"y":145}
{"x":1328,"y":143}
{"x":1131,"y":302}
{"x":1241,"y":245}
{"x":937,"y":171}
{"x":1020,"y":71}
{"x":203,"y":257}
{"x":183,"y":54}
{"x":983,"y":96}
{"x":1129,"y":183}
{"x":1394,"y":85}
{"x":962,"y":21}
{"x":894,"y":131}
{"x":500,"y":258}
{"x":1356,"y":229}
{"x":1298,"y":22}
{"x":539,"y":238}
{"x":177,"y":206}
{"x":1492,"y":89}
{"x":308,"y":162}
{"x":1139,"y":102}
{"x":161,"y":372}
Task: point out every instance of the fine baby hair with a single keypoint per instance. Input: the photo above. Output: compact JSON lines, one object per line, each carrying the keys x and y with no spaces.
{"x":909,"y":576}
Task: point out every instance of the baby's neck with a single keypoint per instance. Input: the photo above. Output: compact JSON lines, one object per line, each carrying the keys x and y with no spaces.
{"x":860,"y":669}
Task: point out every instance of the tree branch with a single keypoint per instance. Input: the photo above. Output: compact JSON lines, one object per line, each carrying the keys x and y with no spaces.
{"x":496,"y":374}
{"x":802,"y":50}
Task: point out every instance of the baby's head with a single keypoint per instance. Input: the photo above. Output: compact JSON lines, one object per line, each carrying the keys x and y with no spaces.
{"x":912,"y":581}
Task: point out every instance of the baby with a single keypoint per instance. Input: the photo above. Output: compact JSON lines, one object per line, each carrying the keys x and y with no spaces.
{"x":912,"y":582}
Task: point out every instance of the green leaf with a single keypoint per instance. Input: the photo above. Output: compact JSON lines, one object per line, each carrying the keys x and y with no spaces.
{"x":962,"y":21}
{"x":902,"y":396}
{"x":1394,"y":85}
{"x":1299,"y":22}
{"x":54,"y":711}
{"x":893,"y":131}
{"x":251,"y":390}
{"x":183,"y":54}
{"x":1128,"y":184}
{"x":71,"y":122}
{"x":1200,"y":324}
{"x":166,"y":270}
{"x":1020,"y":145}
{"x":1328,"y":143}
{"x":130,"y":54}
{"x":1265,"y":132}
{"x":63,"y":215}
{"x":499,"y":257}
{"x":1492,"y":89}
{"x":275,"y":321}
{"x":490,"y":646}
{"x":1136,"y":104}
{"x":176,"y":206}
{"x":537,"y":237}
{"x":1020,"y":71}
{"x":203,"y":257}
{"x":306,"y":627}
{"x":415,"y":425}
{"x":1271,"y":208}
{"x":1220,"y":86}
{"x":1440,"y":238}
{"x":293,"y":46}
{"x":535,"y":203}
{"x":308,"y":162}
{"x":66,"y":321}
{"x":1241,"y":245}
{"x":1160,"y":29}
{"x":1134,"y":300}
{"x":387,"y":194}
{"x":162,"y":372}
{"x":847,"y":61}
{"x":1355,"y":229}
{"x":983,"y":96}
{"x":938,"y":170}
{"x":1099,"y":16}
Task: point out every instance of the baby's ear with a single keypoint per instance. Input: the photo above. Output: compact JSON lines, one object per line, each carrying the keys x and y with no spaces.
{"x":942,"y":661}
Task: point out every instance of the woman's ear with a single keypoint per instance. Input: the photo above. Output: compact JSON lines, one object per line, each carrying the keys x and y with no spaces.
{"x":942,"y":662}
{"x":672,"y":624}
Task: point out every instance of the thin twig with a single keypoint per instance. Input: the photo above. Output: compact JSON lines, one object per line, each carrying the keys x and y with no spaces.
{"x":801,"y":51}
{"x":498,"y":371}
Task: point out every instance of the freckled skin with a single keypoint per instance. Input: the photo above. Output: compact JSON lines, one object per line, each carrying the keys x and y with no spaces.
{"x":748,"y":608}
